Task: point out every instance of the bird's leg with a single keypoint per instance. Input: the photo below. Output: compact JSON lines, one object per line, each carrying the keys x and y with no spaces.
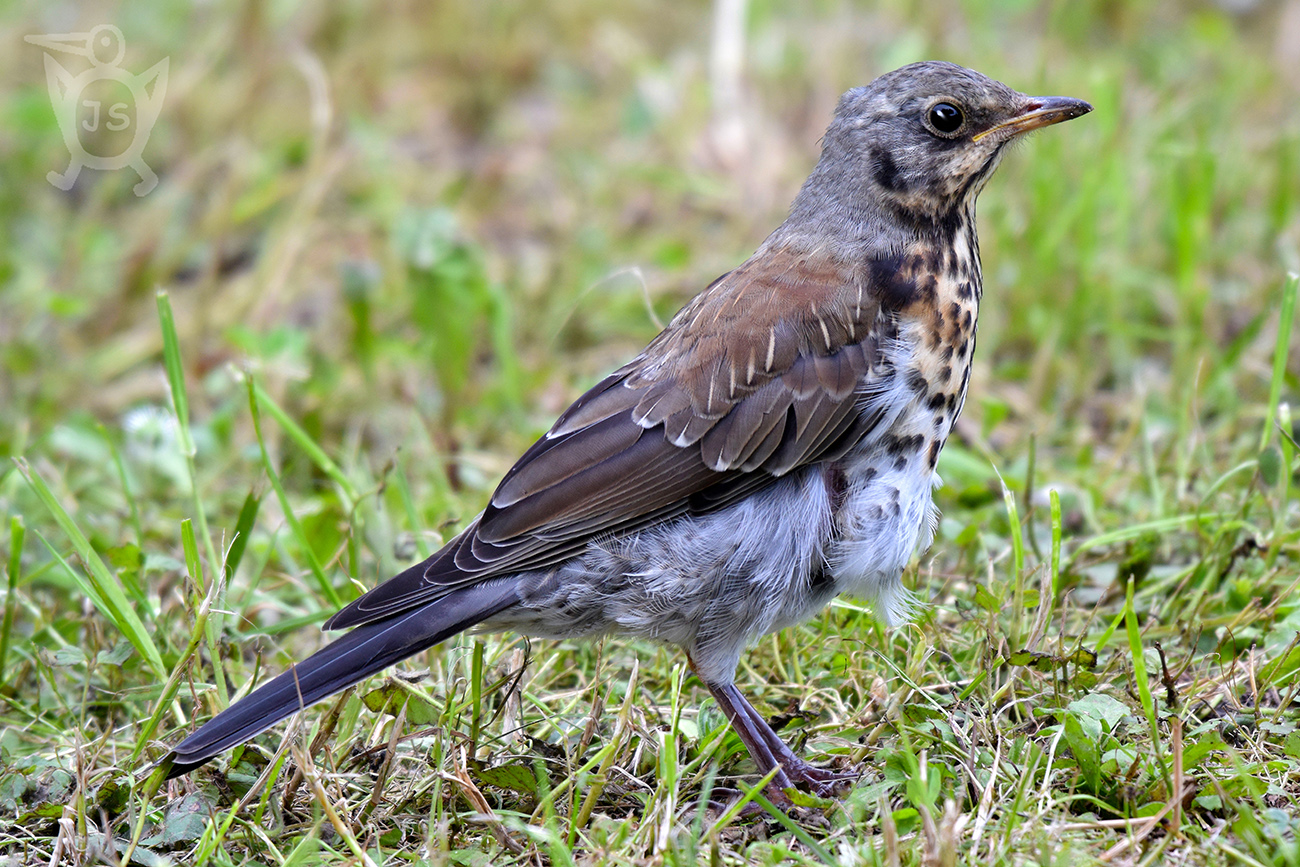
{"x":733,"y":704}
{"x":769,"y":751}
{"x":821,"y":781}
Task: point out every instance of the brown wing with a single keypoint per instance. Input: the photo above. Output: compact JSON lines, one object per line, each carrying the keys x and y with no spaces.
{"x":763,"y":372}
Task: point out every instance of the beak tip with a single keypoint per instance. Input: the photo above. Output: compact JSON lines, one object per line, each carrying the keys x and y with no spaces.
{"x":1064,"y":105}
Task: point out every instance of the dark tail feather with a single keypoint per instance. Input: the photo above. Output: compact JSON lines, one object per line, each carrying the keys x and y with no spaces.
{"x":362,"y":652}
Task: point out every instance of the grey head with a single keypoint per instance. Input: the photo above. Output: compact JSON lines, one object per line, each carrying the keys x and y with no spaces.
{"x":910,"y":151}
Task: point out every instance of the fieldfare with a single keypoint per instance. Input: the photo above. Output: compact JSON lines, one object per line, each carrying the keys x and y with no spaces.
{"x":773,"y":447}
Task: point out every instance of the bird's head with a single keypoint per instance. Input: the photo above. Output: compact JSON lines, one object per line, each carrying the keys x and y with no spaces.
{"x":921,"y":141}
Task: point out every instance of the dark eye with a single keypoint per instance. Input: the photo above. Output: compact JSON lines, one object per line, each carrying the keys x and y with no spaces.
{"x":945,"y":117}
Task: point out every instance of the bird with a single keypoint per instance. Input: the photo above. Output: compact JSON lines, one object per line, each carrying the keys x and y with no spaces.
{"x":773,"y":447}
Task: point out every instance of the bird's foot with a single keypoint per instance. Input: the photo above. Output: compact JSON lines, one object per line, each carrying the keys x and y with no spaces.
{"x":822,"y":782}
{"x":799,"y":789}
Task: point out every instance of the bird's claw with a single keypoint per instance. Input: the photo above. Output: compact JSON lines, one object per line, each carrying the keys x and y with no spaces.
{"x":822,"y":782}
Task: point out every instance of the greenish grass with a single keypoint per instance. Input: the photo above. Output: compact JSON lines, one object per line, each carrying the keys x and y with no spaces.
{"x":367,"y":299}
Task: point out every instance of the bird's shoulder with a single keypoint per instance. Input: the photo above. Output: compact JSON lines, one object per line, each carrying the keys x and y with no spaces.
{"x":784,"y":316}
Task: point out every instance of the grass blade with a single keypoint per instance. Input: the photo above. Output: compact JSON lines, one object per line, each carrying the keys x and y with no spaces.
{"x":1056,"y":543}
{"x":1017,"y":564}
{"x":239,"y":541}
{"x":1137,"y":531}
{"x":304,"y":441}
{"x":326,"y":588}
{"x":1285,"y":323}
{"x":98,"y":582}
{"x":17,"y":532}
{"x":175,"y":374}
{"x":181,"y":406}
{"x":1141,"y":680}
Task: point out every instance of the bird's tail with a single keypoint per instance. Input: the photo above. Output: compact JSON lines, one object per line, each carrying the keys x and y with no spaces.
{"x":362,"y":652}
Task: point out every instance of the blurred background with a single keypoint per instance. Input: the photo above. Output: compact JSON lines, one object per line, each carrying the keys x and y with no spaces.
{"x":425,"y":228}
{"x":439,"y":221}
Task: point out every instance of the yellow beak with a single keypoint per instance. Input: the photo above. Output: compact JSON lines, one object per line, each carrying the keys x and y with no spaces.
{"x":1039,"y":111}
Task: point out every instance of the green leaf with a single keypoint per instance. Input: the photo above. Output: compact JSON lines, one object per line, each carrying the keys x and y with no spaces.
{"x":517,"y":776}
{"x":186,"y":819}
{"x":1084,"y":658}
{"x":1278,"y":727}
{"x":126,"y":556}
{"x":1085,"y":751}
{"x":1197,"y":747}
{"x":1084,"y":680}
{"x":925,"y":790}
{"x":1033,"y":659}
{"x":390,"y":697}
{"x":906,"y":819}
{"x":801,"y":798}
{"x":120,"y":653}
{"x":70,"y":655}
{"x":1038,"y":661}
{"x":114,"y":795}
{"x":986,"y":600}
{"x":1208,"y":802}
{"x":1097,"y":714}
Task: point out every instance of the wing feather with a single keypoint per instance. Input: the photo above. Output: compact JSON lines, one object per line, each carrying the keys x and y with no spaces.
{"x":759,"y":375}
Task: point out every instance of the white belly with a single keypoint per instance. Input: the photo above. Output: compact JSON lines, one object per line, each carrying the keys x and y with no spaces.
{"x":888,"y":510}
{"x":885,"y":517}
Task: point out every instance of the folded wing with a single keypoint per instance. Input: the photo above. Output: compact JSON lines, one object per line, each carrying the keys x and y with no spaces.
{"x":762,"y":373}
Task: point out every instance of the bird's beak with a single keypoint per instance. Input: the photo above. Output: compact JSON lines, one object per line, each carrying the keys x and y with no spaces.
{"x":1038,"y":111}
{"x":68,"y":43}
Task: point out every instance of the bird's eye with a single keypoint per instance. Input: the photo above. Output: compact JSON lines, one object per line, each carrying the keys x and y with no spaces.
{"x":946,"y":118}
